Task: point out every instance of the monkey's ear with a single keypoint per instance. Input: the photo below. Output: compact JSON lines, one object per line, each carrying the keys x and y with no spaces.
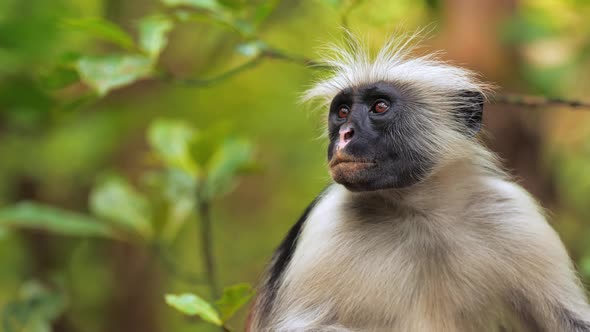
{"x":470,"y":114}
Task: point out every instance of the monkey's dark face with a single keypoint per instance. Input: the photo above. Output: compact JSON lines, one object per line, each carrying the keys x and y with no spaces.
{"x":379,"y":138}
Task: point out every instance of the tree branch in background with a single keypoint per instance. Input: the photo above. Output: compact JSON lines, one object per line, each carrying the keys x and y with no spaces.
{"x":538,"y":101}
{"x":207,"y":245}
{"x":529,"y":101}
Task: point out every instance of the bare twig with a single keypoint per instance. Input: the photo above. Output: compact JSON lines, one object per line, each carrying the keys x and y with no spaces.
{"x":273,"y":53}
{"x":207,"y":244}
{"x":522,"y":100}
{"x":192,"y":82}
{"x":538,"y":101}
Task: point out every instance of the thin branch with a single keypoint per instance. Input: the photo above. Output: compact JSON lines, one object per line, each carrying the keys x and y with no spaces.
{"x":207,"y":244}
{"x":273,"y":53}
{"x":195,"y":82}
{"x":522,"y":100}
{"x":538,"y":101}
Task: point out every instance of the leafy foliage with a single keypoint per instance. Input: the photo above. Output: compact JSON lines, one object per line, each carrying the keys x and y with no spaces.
{"x":153,"y":32}
{"x":100,"y":28}
{"x":54,"y":220}
{"x":107,"y":73}
{"x":192,"y":305}
{"x":116,"y":201}
{"x":234,"y":297}
{"x":36,"y":307}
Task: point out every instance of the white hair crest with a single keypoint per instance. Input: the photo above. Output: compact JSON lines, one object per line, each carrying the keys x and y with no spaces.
{"x":352,"y":65}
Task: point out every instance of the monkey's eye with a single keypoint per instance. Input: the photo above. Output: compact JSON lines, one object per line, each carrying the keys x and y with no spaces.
{"x":380,"y":106}
{"x":343,"y":112}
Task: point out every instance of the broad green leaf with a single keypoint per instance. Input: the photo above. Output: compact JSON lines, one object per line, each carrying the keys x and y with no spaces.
{"x":103,"y":29}
{"x":206,"y":143}
{"x":264,"y":10}
{"x":199,"y":4}
{"x":117,"y":201}
{"x":153,"y":34}
{"x":106,"y":73}
{"x":59,"y":78}
{"x":193,"y":305}
{"x":227,"y":162}
{"x":51,"y":219}
{"x":171,"y":140}
{"x":178,"y":190}
{"x":234,"y":297}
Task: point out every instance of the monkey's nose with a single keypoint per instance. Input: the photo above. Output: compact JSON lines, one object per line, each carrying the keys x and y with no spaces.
{"x":346,"y":133}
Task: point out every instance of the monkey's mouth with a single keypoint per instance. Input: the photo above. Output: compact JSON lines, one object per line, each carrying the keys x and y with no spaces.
{"x":346,"y":164}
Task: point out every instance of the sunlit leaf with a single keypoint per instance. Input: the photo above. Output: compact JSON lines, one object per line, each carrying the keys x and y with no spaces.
{"x":153,"y":33}
{"x":193,"y":305}
{"x":178,"y":189}
{"x":118,"y":202}
{"x":199,"y":4}
{"x":227,"y":162}
{"x":234,"y":297}
{"x":38,"y":216}
{"x":171,"y":140}
{"x":106,"y":73}
{"x":103,"y":29}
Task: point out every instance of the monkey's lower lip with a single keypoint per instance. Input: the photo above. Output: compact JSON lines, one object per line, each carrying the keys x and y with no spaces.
{"x":351,"y":162}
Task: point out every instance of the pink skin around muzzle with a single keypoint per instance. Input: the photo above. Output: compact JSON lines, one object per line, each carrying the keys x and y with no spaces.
{"x":346,"y":132}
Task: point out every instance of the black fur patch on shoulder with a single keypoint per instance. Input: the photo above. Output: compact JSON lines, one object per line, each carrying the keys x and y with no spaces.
{"x":283,"y":256}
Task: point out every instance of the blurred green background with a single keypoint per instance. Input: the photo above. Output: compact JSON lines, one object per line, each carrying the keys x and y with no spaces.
{"x":124,"y":120}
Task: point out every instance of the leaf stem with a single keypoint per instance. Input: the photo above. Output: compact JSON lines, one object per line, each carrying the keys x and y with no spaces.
{"x":207,"y":243}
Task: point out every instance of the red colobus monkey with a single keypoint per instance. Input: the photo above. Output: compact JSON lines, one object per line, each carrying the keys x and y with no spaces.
{"x":422,"y":229}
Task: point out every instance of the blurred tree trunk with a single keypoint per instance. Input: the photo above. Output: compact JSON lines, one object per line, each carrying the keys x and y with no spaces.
{"x":470,"y":35}
{"x":137,"y":291}
{"x":137,"y":281}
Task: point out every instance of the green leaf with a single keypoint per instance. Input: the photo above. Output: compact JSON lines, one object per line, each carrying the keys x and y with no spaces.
{"x":234,"y":297}
{"x":153,"y":34}
{"x":106,"y":73}
{"x":54,"y":220}
{"x":227,"y":162}
{"x":178,"y":189}
{"x":117,"y":201}
{"x":171,"y":140}
{"x":264,"y":10}
{"x":59,"y":78}
{"x":212,"y":5}
{"x":193,"y":305}
{"x":100,"y":28}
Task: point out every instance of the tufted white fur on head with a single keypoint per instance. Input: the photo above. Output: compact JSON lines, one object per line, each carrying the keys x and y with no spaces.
{"x":352,"y":65}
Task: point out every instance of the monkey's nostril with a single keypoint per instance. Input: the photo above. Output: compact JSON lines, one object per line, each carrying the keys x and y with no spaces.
{"x":348,"y":135}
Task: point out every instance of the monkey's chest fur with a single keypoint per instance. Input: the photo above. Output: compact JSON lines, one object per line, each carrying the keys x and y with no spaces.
{"x":395,"y":272}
